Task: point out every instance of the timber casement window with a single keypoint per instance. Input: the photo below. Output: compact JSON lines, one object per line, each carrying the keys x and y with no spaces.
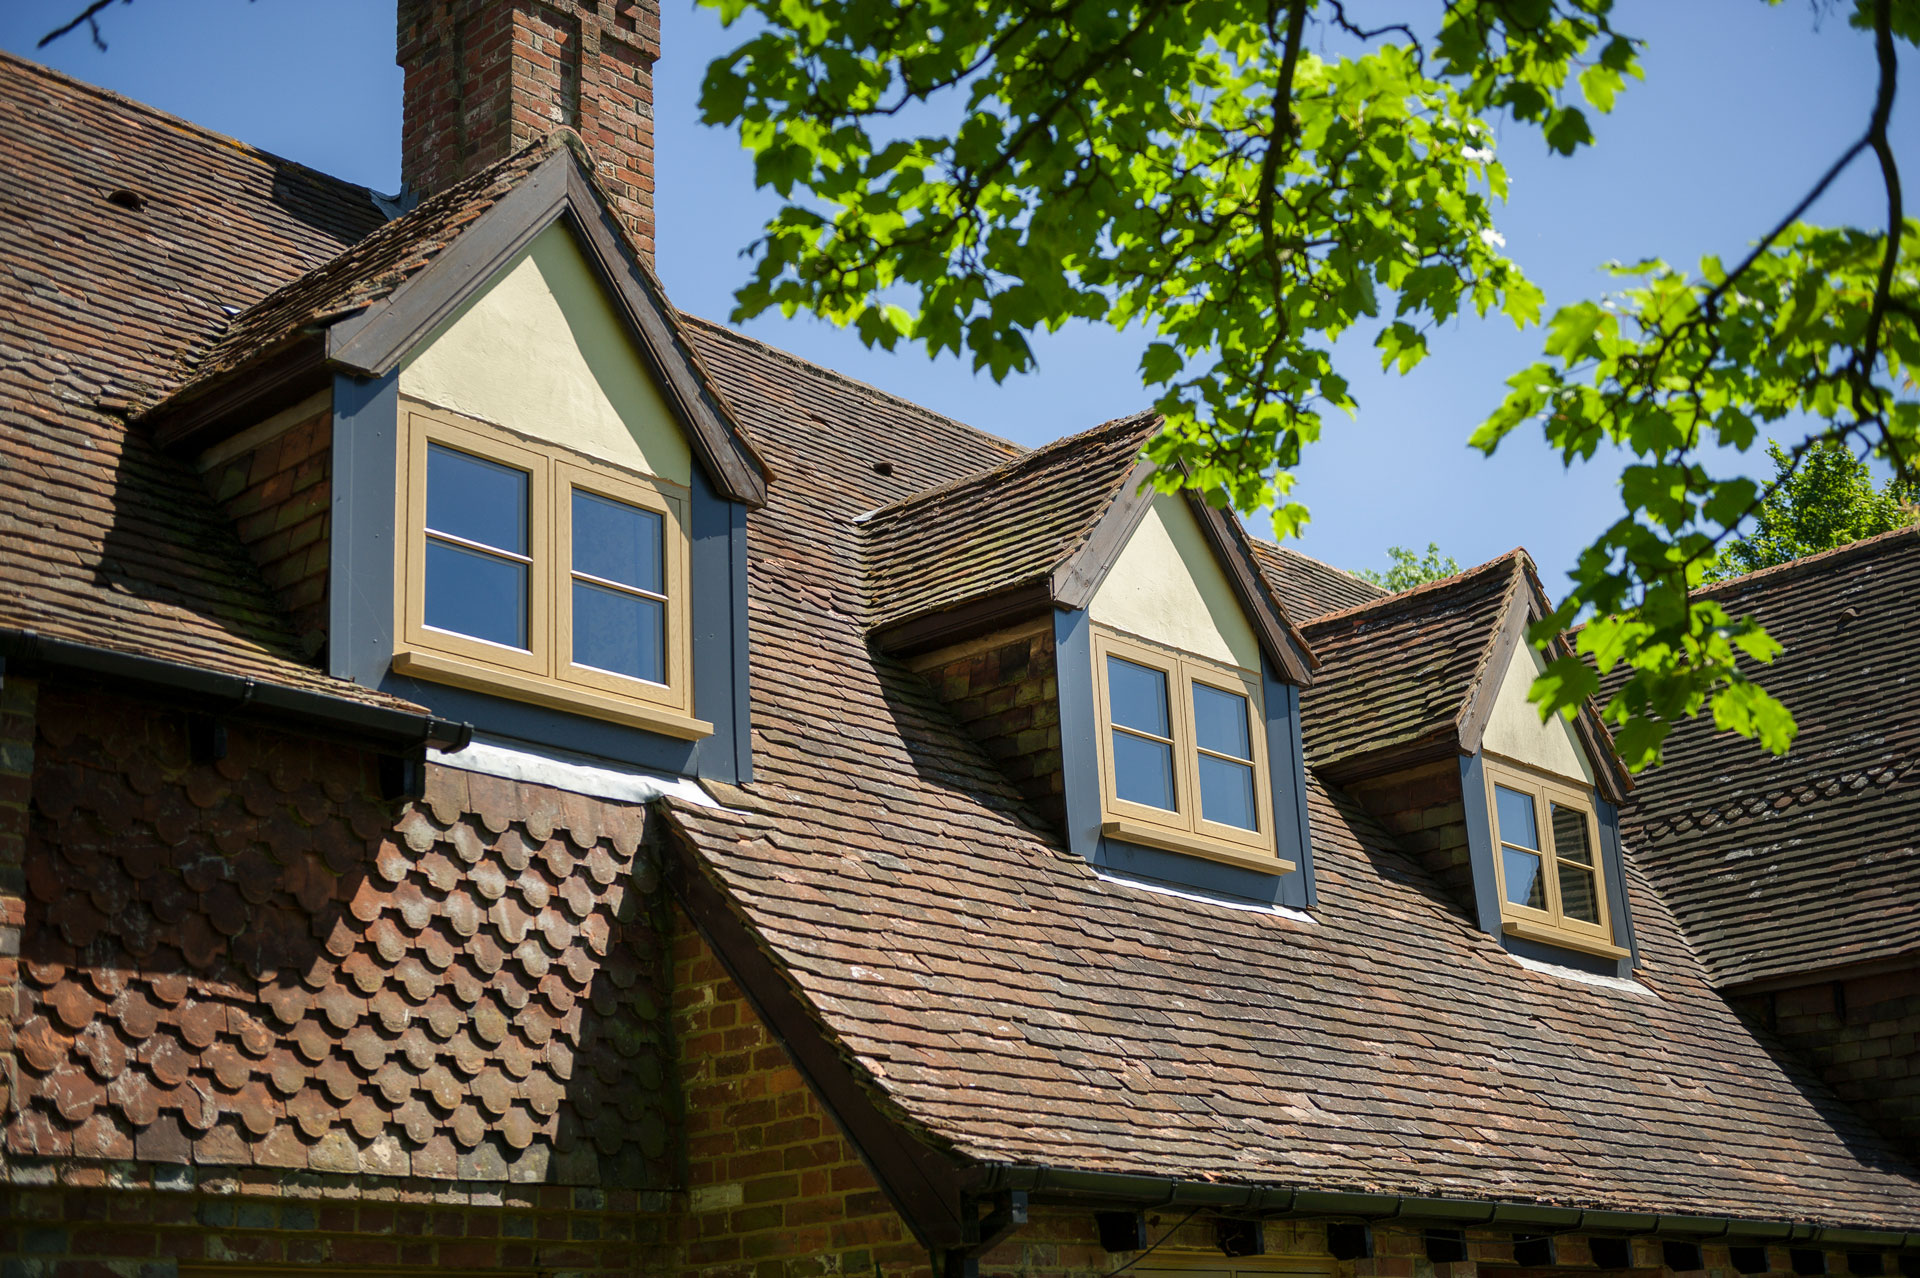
{"x":1183,"y":754}
{"x":1547,"y":861}
{"x":538,"y":575}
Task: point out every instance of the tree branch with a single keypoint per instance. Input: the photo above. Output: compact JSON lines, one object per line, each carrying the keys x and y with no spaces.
{"x":88,"y":17}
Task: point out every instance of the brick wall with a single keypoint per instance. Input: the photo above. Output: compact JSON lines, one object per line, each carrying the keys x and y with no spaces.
{"x":1004,"y":691}
{"x":1863,"y":1035}
{"x":278,"y":493}
{"x":486,"y":77}
{"x":1423,"y":809}
{"x":149,"y":1220}
{"x":774,"y":1189}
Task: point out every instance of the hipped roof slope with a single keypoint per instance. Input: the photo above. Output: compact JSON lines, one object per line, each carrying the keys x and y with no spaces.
{"x":1787,"y":866}
{"x":1012,"y":1006}
{"x":1005,"y":527}
{"x":107,"y":542}
{"x":1309,"y":588}
{"x":1398,"y":672}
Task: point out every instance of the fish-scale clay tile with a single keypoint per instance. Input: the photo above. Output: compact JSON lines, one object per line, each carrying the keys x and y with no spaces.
{"x":294,"y":975}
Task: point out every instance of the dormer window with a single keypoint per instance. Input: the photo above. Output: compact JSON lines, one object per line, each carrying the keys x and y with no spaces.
{"x":543,"y":576}
{"x":1183,"y":753}
{"x":1549,"y":870}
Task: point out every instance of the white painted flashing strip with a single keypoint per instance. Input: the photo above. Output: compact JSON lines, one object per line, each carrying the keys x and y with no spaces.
{"x":517,"y":761}
{"x":1161,"y":889}
{"x":1618,"y":984}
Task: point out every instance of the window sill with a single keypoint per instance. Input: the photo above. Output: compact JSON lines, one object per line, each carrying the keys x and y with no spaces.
{"x":1193,"y":845}
{"x":436,"y":668}
{"x":1565,"y":940}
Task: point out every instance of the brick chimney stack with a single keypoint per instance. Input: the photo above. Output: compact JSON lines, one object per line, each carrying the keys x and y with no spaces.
{"x":487,"y":77}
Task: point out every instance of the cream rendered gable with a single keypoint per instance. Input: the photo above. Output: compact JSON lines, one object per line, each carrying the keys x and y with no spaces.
{"x":542,"y":352}
{"x":1514,"y":730}
{"x":1168,"y":588}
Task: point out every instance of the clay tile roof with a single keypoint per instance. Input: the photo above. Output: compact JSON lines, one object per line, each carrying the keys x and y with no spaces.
{"x":1398,"y":672}
{"x":1007,"y":527}
{"x":104,"y":540}
{"x":1308,"y":588}
{"x":1785,"y":866}
{"x":362,"y":275}
{"x":1008,"y":1004}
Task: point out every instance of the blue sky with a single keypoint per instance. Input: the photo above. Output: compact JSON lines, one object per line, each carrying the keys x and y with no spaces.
{"x":1743,"y":106}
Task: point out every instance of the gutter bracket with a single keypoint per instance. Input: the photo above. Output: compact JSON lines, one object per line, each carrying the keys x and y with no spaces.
{"x":1006,"y":1212}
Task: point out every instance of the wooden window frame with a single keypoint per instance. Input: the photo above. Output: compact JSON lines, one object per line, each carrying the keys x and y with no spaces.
{"x":1549,"y":926}
{"x":544,"y":673}
{"x":1185,"y":830}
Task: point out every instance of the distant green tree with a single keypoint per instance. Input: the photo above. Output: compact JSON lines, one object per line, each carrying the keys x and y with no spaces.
{"x":1409,"y":569}
{"x":1822,"y":496}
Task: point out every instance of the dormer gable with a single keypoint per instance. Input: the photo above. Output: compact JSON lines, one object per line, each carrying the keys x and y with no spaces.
{"x":1421,"y":713}
{"x":1035,"y":595}
{"x":534,"y":497}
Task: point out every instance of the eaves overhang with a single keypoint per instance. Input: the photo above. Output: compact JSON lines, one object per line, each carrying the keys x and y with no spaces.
{"x":29,"y":652}
{"x":1069,"y":1186}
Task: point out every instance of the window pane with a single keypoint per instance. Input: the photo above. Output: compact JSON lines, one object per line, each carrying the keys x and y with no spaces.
{"x":1220,"y":722}
{"x":616,"y":631}
{"x":617,"y":542}
{"x":1138,"y":697}
{"x":1524,"y":884}
{"x":1570,"y":835}
{"x":471,"y":593}
{"x":1515,"y":815}
{"x":1578,"y":897}
{"x":476,"y":500}
{"x":1226,"y":792}
{"x":1143,"y":771}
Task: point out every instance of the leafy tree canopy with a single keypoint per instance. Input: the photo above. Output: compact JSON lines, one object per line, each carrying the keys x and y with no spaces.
{"x":1828,"y":499}
{"x":959,"y":174}
{"x":1408,"y":569}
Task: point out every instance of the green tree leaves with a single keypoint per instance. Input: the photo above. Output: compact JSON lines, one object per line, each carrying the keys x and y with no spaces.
{"x":1249,"y":183}
{"x":1198,"y":168}
{"x":1822,"y":496}
{"x":1672,"y":363}
{"x":1409,"y":569}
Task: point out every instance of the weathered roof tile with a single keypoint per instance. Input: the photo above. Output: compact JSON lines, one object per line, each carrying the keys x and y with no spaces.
{"x":1791,"y":865}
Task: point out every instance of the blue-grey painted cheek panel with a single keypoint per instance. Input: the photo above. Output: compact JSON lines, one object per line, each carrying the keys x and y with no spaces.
{"x":360,"y":566}
{"x":718,"y":534}
{"x":1486,"y":888}
{"x":362,"y":624}
{"x":1079,"y":750}
{"x":1616,"y":872}
{"x":1286,"y":760}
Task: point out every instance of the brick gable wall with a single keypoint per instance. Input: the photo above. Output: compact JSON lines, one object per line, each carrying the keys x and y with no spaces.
{"x":278,"y":493}
{"x":774,"y":1189}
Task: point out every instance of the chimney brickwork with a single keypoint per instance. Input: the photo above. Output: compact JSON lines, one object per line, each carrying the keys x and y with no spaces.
{"x":487,"y":77}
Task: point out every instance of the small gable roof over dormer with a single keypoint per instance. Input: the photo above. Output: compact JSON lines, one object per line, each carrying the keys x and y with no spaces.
{"x":366,"y":310}
{"x":1042,"y":531}
{"x":1420,"y":675}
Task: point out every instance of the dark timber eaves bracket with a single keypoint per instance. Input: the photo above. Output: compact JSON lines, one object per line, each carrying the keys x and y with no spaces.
{"x":1006,"y":1211}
